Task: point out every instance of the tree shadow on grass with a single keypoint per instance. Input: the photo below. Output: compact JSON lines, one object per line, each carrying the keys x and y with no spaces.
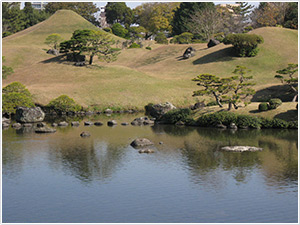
{"x":223,"y":55}
{"x":290,"y":115}
{"x":57,"y":59}
{"x":278,"y":91}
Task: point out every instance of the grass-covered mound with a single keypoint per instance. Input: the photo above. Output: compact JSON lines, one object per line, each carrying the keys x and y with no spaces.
{"x":139,"y":76}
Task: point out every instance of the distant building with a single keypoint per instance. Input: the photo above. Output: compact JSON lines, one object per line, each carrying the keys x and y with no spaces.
{"x":101,"y":17}
{"x":39,"y":5}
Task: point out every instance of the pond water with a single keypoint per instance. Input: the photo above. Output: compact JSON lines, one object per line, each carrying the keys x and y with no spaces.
{"x":63,"y":178}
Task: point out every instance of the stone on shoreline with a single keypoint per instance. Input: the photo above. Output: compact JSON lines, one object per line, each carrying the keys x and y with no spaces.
{"x":112,"y":123}
{"x":75,"y":123}
{"x":29,"y":115}
{"x":141,"y":142}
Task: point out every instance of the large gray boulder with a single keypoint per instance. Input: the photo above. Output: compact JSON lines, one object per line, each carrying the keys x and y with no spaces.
{"x":158,"y":110}
{"x":189,"y":52}
{"x":141,"y":142}
{"x":29,"y":115}
{"x":212,"y":43}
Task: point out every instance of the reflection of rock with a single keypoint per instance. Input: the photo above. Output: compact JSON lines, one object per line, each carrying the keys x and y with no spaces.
{"x":27,"y":124}
{"x":220,"y":126}
{"x":232,"y":126}
{"x":40,"y":124}
{"x":146,"y":151}
{"x":85,"y":134}
{"x":29,"y":115}
{"x":45,"y":130}
{"x":98,"y":123}
{"x":108,"y":111}
{"x":141,"y":142}
{"x":241,"y":149}
{"x":16,"y":125}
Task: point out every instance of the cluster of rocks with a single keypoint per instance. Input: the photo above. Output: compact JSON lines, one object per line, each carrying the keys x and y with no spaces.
{"x":143,"y":145}
{"x":142,"y":121}
{"x":90,"y":113}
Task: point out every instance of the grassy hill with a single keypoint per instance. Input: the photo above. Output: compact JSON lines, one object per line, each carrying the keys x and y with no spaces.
{"x":139,"y":76}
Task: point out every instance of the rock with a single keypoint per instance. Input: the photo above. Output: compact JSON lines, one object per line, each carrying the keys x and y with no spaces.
{"x":158,"y":110}
{"x":112,"y":123}
{"x":108,"y":111}
{"x":16,"y":125}
{"x":241,"y":149}
{"x":6,"y":120}
{"x":88,"y":123}
{"x":5,"y":125}
{"x":54,"y":124}
{"x":141,"y":120}
{"x":62,"y":124}
{"x":53,"y":52}
{"x":160,"y":142}
{"x":79,"y":64}
{"x":220,"y":126}
{"x":179,"y":123}
{"x":146,"y":151}
{"x":40,"y":124}
{"x":233,"y":126}
{"x":189,"y":52}
{"x":98,"y":123}
{"x":89,"y":113}
{"x":85,"y":134}
{"x":141,"y":142}
{"x":45,"y":130}
{"x":29,"y":115}
{"x":148,"y":122}
{"x":75,"y":123}
{"x":124,"y":124}
{"x":27,"y":124}
{"x":212,"y":43}
{"x":198,"y":105}
{"x":244,"y":127}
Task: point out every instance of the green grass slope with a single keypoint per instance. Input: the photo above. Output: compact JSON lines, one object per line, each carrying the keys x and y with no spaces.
{"x":139,"y":76}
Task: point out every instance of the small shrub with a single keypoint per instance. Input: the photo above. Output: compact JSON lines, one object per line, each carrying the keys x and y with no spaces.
{"x":12,"y":100}
{"x":247,"y":29}
{"x":293,"y":125}
{"x":223,"y":117}
{"x":274,"y":103}
{"x":148,"y":48}
{"x":248,"y":121}
{"x":184,"y":38}
{"x":16,"y":87}
{"x":263,"y":107}
{"x":64,"y":104}
{"x":107,"y":29}
{"x":6,"y":33}
{"x":161,"y":38}
{"x":245,"y":45}
{"x":278,"y":123}
{"x":176,"y":115}
{"x":266,"y":123}
{"x":134,"y":45}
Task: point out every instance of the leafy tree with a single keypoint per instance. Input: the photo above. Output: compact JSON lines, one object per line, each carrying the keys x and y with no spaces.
{"x":183,"y":15}
{"x":90,"y":42}
{"x":6,"y":70}
{"x":242,"y":15}
{"x":118,"y":12}
{"x":244,"y":44}
{"x":155,"y":17}
{"x":86,"y":9}
{"x":119,"y":30}
{"x":13,"y":19}
{"x":53,"y":40}
{"x":184,"y":38}
{"x":232,"y":89}
{"x":136,"y":32}
{"x":289,"y":76}
{"x":291,"y":16}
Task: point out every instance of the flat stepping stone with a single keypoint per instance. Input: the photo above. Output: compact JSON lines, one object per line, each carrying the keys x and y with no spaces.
{"x":112,"y":123}
{"x":124,"y":124}
{"x":85,"y":134}
{"x":241,"y":149}
{"x":98,"y":123}
{"x":75,"y":123}
{"x":88,"y":123}
{"x":63,"y":124}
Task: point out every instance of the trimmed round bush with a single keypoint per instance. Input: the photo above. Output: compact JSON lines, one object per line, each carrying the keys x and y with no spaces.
{"x":263,"y":107}
{"x":176,"y":115}
{"x":278,"y":123}
{"x":274,"y":103}
{"x":223,"y":117}
{"x":11,"y":101}
{"x":161,"y":38}
{"x":64,"y":104}
{"x":148,"y":48}
{"x":119,"y":30}
{"x":16,"y":87}
{"x":293,"y":125}
{"x":134,"y":45}
{"x":248,"y":121}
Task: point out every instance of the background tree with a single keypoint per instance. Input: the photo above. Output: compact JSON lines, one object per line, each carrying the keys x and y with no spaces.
{"x":86,"y":9}
{"x":289,"y":76}
{"x":155,"y":17}
{"x":13,"y":19}
{"x":6,"y":70}
{"x":291,"y":16}
{"x":241,"y":16}
{"x":53,"y":40}
{"x":205,"y":23}
{"x":183,"y":15}
{"x":118,"y":12}
{"x":119,"y":30}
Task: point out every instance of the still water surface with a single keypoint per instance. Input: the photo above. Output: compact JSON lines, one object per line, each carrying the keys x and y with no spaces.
{"x":62,"y":177}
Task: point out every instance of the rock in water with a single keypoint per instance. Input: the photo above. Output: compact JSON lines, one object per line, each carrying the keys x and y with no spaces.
{"x":241,"y":149}
{"x":146,"y":150}
{"x":29,"y":115}
{"x":141,"y":142}
{"x":75,"y":124}
{"x":45,"y":130}
{"x":158,"y":110}
{"x":85,"y":134}
{"x":112,"y":123}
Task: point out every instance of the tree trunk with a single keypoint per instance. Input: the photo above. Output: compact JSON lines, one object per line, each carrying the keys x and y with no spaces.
{"x":91,"y":59}
{"x":229,"y":106}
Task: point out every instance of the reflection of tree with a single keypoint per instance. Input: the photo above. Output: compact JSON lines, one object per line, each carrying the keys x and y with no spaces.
{"x":172,"y":130}
{"x":86,"y":161}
